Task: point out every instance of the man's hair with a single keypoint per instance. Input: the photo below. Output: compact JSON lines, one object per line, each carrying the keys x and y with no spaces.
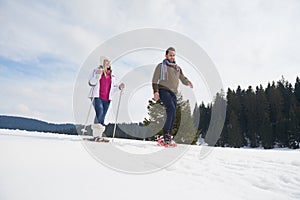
{"x":170,"y":49}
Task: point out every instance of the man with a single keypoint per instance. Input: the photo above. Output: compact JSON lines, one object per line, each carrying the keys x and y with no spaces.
{"x":165,"y":83}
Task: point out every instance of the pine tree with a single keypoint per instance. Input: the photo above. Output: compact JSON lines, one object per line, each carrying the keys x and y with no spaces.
{"x":183,"y":127}
{"x":235,"y":136}
{"x":250,"y":112}
{"x":224,"y":138}
{"x":241,"y":96}
{"x":156,"y":113}
{"x":293,"y":129}
{"x":267,"y":132}
{"x":196,"y":116}
{"x":297,"y":111}
{"x":263,"y":124}
{"x":205,"y":116}
{"x":288,"y":102}
{"x":276,"y":106}
{"x":292,"y":122}
{"x":297,"y":90}
{"x":196,"y":122}
{"x":218,"y":116}
{"x":233,"y":107}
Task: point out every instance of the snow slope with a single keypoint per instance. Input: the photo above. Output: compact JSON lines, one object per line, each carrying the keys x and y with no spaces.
{"x":37,"y":166}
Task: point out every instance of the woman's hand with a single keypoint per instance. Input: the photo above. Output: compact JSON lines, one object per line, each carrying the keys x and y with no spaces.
{"x":99,"y":71}
{"x":121,"y":86}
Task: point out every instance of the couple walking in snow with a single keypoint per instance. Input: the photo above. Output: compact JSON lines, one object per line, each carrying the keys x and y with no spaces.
{"x":165,"y":84}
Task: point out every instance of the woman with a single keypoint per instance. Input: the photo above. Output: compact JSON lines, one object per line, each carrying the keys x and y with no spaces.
{"x":103,"y":83}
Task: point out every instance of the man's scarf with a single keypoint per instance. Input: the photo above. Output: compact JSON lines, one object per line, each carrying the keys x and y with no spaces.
{"x":164,"y":70}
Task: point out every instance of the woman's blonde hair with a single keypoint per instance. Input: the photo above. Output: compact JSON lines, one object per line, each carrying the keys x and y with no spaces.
{"x":103,"y":59}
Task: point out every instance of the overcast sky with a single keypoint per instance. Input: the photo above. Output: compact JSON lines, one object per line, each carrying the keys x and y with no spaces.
{"x":44,"y":43}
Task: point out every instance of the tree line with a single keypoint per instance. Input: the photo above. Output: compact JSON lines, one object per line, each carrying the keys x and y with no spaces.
{"x":261,"y":117}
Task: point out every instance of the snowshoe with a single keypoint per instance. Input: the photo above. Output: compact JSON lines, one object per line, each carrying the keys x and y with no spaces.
{"x":98,"y":139}
{"x":166,"y":141}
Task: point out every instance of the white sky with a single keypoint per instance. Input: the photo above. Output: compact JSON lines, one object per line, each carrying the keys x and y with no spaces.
{"x":44,"y":43}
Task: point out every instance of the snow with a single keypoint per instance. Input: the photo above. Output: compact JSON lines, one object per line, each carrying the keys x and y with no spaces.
{"x":45,"y":166}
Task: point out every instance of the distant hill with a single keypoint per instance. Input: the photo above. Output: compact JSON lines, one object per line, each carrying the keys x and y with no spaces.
{"x":22,"y":123}
{"x":28,"y":124}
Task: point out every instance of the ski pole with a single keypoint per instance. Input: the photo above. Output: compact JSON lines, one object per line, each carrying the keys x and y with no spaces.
{"x":83,"y":131}
{"x":117,"y":114}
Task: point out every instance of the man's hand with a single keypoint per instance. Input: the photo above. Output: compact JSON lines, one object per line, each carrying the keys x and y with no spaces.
{"x":156,"y":96}
{"x":191,"y":85}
